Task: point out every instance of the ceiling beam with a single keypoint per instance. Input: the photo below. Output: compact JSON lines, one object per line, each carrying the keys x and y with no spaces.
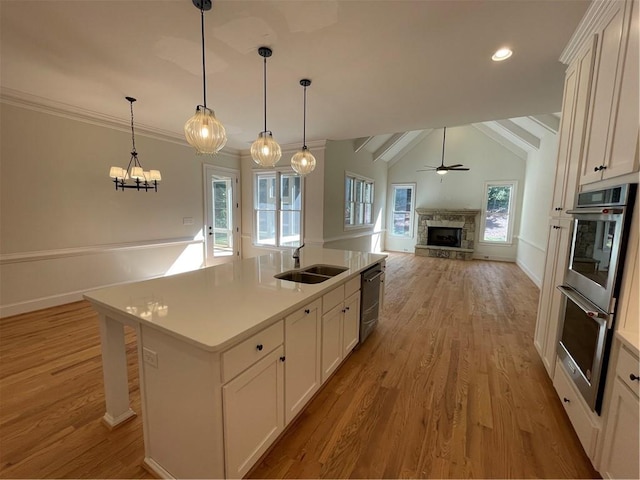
{"x":491,"y":131}
{"x":418,"y":136}
{"x":360,"y":143}
{"x":516,"y":133}
{"x":388,"y":145}
{"x":549,"y":121}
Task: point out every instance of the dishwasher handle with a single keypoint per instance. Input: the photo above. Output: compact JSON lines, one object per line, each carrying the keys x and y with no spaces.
{"x":371,"y":279}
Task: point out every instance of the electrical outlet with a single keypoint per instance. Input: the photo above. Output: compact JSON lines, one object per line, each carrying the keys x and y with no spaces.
{"x":150,"y":357}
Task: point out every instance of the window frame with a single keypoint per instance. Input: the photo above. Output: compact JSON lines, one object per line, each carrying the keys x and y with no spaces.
{"x":278,"y":172}
{"x":411,"y":212}
{"x":366,"y":181}
{"x":512,"y":211}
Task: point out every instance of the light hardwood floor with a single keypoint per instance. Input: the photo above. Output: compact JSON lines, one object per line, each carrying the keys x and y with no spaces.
{"x":448,"y":386}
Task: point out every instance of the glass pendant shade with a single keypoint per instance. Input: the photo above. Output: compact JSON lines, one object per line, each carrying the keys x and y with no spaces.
{"x":265,"y":151}
{"x":204,"y":132}
{"x":303,"y":162}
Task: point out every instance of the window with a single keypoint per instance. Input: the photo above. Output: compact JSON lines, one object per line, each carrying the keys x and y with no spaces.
{"x":402,"y":210}
{"x":358,"y":201}
{"x":278,"y":209}
{"x":498,"y":212}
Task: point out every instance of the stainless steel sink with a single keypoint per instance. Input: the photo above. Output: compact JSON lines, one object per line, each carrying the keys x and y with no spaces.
{"x":301,"y":277}
{"x":312,"y":274}
{"x":328,"y":270}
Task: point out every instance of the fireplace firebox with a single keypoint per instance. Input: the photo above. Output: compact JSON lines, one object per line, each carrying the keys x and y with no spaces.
{"x":444,"y":237}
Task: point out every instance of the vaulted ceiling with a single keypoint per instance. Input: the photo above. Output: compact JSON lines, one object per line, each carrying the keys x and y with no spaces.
{"x":392,"y":68}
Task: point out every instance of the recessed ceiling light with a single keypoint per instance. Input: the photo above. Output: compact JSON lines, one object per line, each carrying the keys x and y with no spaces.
{"x":501,"y":55}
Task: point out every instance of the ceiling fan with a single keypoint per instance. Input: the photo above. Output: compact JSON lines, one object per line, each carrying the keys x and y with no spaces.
{"x":442,"y":169}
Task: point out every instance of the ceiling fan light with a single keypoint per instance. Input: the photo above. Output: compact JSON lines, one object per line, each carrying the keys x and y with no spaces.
{"x":303,"y":162}
{"x":204,"y":132}
{"x":265,"y":151}
{"x":441,"y":172}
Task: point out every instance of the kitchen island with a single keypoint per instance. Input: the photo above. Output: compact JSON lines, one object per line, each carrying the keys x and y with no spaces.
{"x":228,"y":355}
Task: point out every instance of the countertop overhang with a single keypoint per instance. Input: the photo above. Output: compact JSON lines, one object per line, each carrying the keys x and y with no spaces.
{"x":214,"y":307}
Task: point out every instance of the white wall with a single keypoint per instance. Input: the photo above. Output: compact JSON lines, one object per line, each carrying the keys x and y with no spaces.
{"x":65,"y":229}
{"x":340,"y":157}
{"x":487,"y":160}
{"x":536,"y":205}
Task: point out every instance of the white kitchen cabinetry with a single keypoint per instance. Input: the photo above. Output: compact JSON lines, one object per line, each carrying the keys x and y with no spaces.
{"x":302,"y":373}
{"x":253,"y":405}
{"x":550,"y":306}
{"x":340,"y":326}
{"x":612,"y":132}
{"x":571,"y":135}
{"x":620,"y":456}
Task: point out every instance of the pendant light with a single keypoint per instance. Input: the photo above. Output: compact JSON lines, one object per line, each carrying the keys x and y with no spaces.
{"x":144,"y":180}
{"x":302,"y":161}
{"x":203,"y":131}
{"x":265,"y":151}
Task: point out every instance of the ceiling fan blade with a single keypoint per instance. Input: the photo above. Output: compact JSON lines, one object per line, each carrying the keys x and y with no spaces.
{"x":457,"y":169}
{"x":454,"y":166}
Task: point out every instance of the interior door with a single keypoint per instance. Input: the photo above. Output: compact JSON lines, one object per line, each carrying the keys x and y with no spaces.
{"x":222,"y":210}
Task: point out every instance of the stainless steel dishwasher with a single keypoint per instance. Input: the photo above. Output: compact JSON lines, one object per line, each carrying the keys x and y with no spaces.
{"x":370,"y":288}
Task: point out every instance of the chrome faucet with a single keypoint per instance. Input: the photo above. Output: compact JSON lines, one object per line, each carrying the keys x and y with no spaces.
{"x":296,"y":256}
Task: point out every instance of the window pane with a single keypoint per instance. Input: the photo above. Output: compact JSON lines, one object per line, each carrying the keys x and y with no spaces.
{"x":220,"y":203}
{"x":497,"y":220}
{"x":266,"y":192}
{"x":359,"y":214}
{"x":367,"y":213}
{"x":290,"y":228}
{"x":402,"y":200}
{"x":401,"y":224}
{"x":348,"y":190}
{"x":266,"y":227}
{"x":290,"y":198}
{"x":359,"y":188}
{"x":367,"y":192}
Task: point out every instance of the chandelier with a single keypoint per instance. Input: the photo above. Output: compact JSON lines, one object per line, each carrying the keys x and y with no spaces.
{"x":143,"y":180}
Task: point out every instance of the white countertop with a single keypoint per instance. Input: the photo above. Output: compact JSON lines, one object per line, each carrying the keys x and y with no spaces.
{"x":216,"y":306}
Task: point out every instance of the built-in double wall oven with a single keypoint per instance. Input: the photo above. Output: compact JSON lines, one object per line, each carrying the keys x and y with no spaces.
{"x":600,"y":230}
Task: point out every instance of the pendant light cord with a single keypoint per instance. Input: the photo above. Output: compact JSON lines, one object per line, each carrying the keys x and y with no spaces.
{"x":133,"y":137}
{"x":204,"y":76}
{"x":444,"y":134}
{"x":304,"y":120}
{"x":265,"y":93}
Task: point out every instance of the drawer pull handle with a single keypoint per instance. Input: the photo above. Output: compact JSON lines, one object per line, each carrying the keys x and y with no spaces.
{"x":259,"y":347}
{"x":634,"y":378}
{"x":282,"y":358}
{"x":307,"y":311}
{"x":566,"y":400}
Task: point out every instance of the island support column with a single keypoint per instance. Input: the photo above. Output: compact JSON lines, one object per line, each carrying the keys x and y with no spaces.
{"x":114,"y":370}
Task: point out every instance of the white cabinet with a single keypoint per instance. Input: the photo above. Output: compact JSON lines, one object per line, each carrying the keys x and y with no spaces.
{"x":620,"y":455}
{"x":571,"y":136}
{"x":253,"y":413}
{"x":340,"y":325}
{"x":612,"y":131}
{"x":302,"y":370}
{"x":550,"y":306}
{"x":351,"y":323}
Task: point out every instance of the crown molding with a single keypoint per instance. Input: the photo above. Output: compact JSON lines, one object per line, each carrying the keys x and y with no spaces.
{"x":586,"y":28}
{"x":28,"y":101}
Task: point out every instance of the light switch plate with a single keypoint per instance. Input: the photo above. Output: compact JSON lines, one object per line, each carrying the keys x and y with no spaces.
{"x":150,"y":357}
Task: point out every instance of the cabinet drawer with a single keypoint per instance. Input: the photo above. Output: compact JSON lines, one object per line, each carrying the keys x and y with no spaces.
{"x":628,"y":365}
{"x":254,"y":348}
{"x":333,"y":298}
{"x":577,"y":411}
{"x":352,"y":286}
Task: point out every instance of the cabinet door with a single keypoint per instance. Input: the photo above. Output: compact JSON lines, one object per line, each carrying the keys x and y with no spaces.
{"x":624,"y":153}
{"x":621,"y":438}
{"x":253,"y":405}
{"x":351,"y":323}
{"x":603,"y":101}
{"x":302,"y":369}
{"x":331,"y":341}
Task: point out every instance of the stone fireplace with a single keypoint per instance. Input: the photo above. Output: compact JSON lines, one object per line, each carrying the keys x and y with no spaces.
{"x":446,"y":233}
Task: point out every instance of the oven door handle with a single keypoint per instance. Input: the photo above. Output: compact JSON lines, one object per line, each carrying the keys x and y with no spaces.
{"x":598,"y":210}
{"x":586,"y":306}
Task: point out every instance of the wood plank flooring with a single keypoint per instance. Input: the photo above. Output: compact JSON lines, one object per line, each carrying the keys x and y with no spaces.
{"x":448,"y":386}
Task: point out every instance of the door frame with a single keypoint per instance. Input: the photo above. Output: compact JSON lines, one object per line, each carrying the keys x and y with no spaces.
{"x":209,"y":171}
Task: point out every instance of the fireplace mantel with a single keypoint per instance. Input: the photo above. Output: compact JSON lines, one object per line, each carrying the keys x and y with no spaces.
{"x":464,"y":219}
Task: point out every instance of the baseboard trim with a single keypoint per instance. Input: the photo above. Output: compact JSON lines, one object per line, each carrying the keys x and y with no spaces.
{"x":534,"y":278}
